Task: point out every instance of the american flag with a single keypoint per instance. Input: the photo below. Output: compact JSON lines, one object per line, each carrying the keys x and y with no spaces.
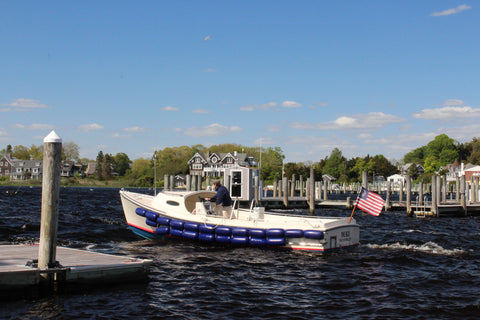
{"x":369,"y":202}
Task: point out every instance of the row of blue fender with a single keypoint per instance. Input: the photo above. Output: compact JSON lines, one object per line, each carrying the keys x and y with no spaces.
{"x":223,"y":234}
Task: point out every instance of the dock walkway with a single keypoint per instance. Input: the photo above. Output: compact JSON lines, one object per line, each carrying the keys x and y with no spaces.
{"x":18,"y":270}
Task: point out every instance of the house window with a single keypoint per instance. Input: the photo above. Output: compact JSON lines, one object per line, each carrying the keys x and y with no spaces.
{"x":35,"y":170}
{"x":7,"y":172}
{"x":37,"y":164}
{"x":229,"y":160}
{"x":1,"y":163}
{"x":197,"y":166}
{"x":197,"y":159}
{"x":19,"y":170}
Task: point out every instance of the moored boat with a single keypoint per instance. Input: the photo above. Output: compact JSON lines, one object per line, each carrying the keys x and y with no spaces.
{"x":185,"y":215}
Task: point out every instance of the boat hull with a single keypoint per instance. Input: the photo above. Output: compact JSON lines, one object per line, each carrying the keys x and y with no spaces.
{"x":172,"y":216}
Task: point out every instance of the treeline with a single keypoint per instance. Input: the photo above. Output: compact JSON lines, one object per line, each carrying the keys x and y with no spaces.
{"x":174,"y":161}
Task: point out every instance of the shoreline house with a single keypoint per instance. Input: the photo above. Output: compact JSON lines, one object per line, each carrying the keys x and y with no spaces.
{"x":213,"y":164}
{"x":69,"y":169}
{"x":18,"y":169}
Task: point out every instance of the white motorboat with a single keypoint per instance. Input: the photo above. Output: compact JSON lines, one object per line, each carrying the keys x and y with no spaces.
{"x":186,"y":215}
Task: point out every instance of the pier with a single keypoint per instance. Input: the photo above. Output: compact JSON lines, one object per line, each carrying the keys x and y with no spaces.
{"x":435,"y":199}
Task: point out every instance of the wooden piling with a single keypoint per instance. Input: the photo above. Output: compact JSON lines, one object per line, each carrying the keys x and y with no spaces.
{"x":420,"y":193}
{"x":387,"y":196}
{"x":257,"y":189}
{"x":52,"y":157}
{"x":292,"y":187}
{"x":188,"y":182}
{"x":409,"y":195}
{"x":165,"y":182}
{"x":311,"y":200}
{"x":325,"y":189}
{"x":285,"y":191}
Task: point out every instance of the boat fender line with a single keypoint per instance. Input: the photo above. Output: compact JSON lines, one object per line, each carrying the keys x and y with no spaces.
{"x":163,"y":221}
{"x":191,"y":226}
{"x":257,"y":233}
{"x":313,"y":234}
{"x":239,"y":240}
{"x":294,"y":233}
{"x":258,"y":241}
{"x":206,"y":237}
{"x":162,"y":230}
{"x":222,"y":238}
{"x":176,"y":232}
{"x":140,"y":212}
{"x":275,"y":233}
{"x":223,"y":231}
{"x":206,"y":229}
{"x":276,"y":241}
{"x":151,"y":223}
{"x":240,"y":232}
{"x":190,"y":234}
{"x":177,"y":224}
{"x":151,"y":216}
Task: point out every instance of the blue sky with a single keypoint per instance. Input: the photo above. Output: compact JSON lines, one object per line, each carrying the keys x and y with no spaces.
{"x":367,"y":77}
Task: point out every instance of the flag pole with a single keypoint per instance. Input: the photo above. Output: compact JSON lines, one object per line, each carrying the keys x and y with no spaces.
{"x":351,"y":216}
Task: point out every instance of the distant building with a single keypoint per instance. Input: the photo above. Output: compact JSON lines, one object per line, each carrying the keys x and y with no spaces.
{"x":214,"y":164}
{"x":69,"y":169}
{"x":91,"y":167}
{"x":18,"y":169}
{"x":396,"y":179}
{"x":405,"y":167}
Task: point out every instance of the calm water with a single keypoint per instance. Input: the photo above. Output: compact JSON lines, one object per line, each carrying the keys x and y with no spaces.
{"x":405,"y":268}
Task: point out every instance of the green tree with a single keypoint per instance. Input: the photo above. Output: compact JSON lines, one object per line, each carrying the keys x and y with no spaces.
{"x":36,"y":152}
{"x":474,"y":151}
{"x":21,"y":152}
{"x":336,"y":164}
{"x":99,"y":165}
{"x":443,"y":149}
{"x":272,"y":160}
{"x":121,"y":163}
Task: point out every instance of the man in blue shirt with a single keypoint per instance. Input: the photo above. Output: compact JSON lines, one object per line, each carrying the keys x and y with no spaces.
{"x":223,"y":202}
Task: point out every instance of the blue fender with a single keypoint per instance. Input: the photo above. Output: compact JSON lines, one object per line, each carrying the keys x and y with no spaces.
{"x":222,"y":238}
{"x":177,"y":224}
{"x":223,"y":231}
{"x":140,"y":212}
{"x":294,"y":233}
{"x":239,"y":240}
{"x":257,"y":233}
{"x":163,"y":221}
{"x":206,"y":237}
{"x":190,"y":234}
{"x":241,"y":232}
{"x":313,"y":234}
{"x":176,"y":232}
{"x":275,"y":233}
{"x":206,"y":229}
{"x":151,"y":216}
{"x":276,"y":241}
{"x":258,"y":241}
{"x":191,"y":226}
{"x":151,"y":223}
{"x":162,"y":230}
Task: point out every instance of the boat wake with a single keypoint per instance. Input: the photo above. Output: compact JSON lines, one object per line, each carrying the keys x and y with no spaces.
{"x":428,"y":247}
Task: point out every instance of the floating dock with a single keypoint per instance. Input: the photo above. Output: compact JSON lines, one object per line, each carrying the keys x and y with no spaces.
{"x":19,"y":274}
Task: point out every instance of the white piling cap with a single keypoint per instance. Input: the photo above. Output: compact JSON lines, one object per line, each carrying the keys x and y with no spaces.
{"x":52,"y":137}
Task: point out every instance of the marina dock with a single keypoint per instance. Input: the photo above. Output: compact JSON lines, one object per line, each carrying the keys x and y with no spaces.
{"x":19,"y":273}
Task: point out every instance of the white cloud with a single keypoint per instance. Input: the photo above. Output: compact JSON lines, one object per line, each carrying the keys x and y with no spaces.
{"x":264,"y":141}
{"x":134,"y":129}
{"x":200,"y":111}
{"x":447,"y":113}
{"x":90,"y":127}
{"x":35,"y":126}
{"x":448,"y":12}
{"x":210,"y":70}
{"x":453,"y":102}
{"x":291,"y":104}
{"x":214,"y":129}
{"x":372,"y":120}
{"x":117,"y":135}
{"x":170,"y":108}
{"x":207,"y":38}
{"x":274,"y":128}
{"x":265,"y":106}
{"x":22,"y":104}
